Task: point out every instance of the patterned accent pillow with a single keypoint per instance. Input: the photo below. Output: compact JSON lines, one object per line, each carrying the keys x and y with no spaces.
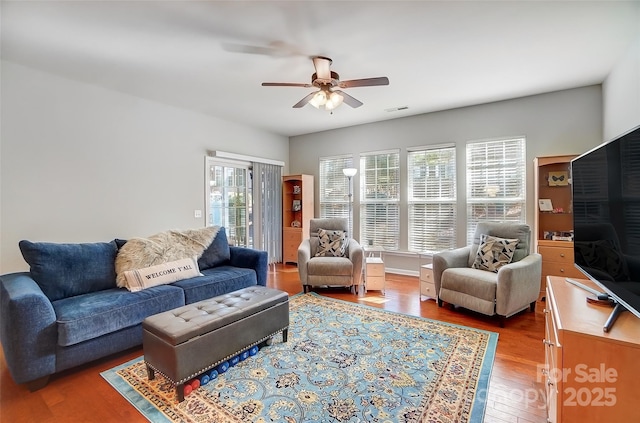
{"x":494,"y":252}
{"x":332,"y":243}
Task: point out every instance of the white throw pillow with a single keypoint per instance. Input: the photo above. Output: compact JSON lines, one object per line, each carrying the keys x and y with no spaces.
{"x":161,"y":274}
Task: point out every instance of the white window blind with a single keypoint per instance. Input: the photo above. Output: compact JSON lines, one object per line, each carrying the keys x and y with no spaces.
{"x":431,"y":174}
{"x":334,"y":186}
{"x":379,"y":199}
{"x":496,"y":178}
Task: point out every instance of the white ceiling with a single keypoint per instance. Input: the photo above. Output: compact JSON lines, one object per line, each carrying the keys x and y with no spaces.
{"x":437,"y":55}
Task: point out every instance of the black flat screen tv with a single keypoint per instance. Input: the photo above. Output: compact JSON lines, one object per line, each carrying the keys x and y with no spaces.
{"x":605,"y":184}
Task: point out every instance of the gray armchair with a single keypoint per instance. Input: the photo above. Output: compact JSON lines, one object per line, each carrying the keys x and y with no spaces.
{"x":329,"y":270}
{"x":512,"y":289}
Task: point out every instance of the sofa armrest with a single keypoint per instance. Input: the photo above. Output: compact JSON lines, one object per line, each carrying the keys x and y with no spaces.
{"x":518,"y":284}
{"x":443,"y":260}
{"x":304,"y":255}
{"x":250,"y":259}
{"x":356,"y":255}
{"x":28,"y":330}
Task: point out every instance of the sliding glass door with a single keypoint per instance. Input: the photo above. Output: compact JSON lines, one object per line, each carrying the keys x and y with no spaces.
{"x":230,"y":202}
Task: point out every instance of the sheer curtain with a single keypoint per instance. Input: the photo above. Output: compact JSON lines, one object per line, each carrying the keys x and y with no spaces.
{"x":267,"y":209}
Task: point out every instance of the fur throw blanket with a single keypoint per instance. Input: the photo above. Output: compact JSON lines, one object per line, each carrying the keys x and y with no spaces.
{"x":138,"y":253}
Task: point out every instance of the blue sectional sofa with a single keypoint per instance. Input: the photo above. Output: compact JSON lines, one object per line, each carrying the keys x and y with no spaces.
{"x":67,"y":310}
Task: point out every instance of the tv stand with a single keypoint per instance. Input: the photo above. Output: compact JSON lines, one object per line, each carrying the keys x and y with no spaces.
{"x":589,"y":375}
{"x":602,"y":298}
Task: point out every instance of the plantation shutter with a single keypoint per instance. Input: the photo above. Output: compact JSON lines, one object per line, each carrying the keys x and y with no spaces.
{"x":496,"y":178}
{"x":380,"y":199}
{"x":334,"y":186}
{"x":431,"y":173}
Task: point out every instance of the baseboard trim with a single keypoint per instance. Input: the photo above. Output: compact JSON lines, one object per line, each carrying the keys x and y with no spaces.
{"x":404,"y":272}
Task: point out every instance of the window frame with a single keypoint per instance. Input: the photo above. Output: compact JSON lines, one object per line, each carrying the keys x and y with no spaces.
{"x":431,"y":233}
{"x":511,"y":163}
{"x":388,"y":239}
{"x":337,"y":200}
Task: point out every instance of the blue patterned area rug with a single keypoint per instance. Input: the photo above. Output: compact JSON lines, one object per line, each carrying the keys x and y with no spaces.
{"x":343,"y":362}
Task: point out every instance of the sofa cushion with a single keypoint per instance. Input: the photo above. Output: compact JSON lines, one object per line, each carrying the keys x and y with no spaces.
{"x":494,"y":252}
{"x":330,"y":266}
{"x":66,"y":270}
{"x":95,"y":314}
{"x":216,"y":281}
{"x":217,"y":252}
{"x":161,"y":274}
{"x":467,"y":281}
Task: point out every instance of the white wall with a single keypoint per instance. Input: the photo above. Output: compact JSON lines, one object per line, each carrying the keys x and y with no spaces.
{"x":564,"y":122}
{"x":621,"y":94}
{"x":80,"y":163}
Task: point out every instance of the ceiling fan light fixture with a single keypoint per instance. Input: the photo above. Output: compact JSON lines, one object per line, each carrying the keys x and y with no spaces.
{"x":327,"y":100}
{"x":327,"y":80}
{"x":319,"y":100}
{"x":334,"y":101}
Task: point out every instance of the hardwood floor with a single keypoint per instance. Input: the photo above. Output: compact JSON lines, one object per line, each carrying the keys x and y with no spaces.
{"x":515,"y":394}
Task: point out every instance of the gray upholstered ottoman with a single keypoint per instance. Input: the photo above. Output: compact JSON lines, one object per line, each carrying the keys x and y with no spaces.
{"x":189,"y":340}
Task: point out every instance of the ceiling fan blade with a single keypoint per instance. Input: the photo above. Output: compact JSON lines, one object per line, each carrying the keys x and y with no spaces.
{"x":322,"y":65}
{"x":304,"y":101}
{"x":366,"y":82}
{"x":353,"y":102}
{"x":286,"y":84}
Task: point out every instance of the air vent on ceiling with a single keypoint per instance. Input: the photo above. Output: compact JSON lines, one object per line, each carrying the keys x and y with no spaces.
{"x":396,"y":109}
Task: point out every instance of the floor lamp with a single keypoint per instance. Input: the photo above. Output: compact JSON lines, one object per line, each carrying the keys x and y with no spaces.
{"x":350,"y":172}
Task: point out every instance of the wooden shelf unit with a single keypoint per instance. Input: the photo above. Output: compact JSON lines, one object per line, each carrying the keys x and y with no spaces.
{"x":589,"y":375}
{"x":292,"y":235}
{"x":557,"y":256}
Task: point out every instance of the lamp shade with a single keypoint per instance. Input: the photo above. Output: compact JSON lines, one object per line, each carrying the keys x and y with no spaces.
{"x":350,"y":172}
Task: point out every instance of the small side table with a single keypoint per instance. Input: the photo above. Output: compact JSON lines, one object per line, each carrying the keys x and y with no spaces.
{"x":427,"y":284}
{"x":374,"y":278}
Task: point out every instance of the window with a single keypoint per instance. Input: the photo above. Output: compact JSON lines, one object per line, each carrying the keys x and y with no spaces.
{"x":334,"y":186}
{"x":379,"y":199}
{"x":431,"y":174}
{"x":496,"y":176}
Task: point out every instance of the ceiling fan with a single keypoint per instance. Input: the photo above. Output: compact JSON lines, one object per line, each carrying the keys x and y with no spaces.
{"x":328,"y":97}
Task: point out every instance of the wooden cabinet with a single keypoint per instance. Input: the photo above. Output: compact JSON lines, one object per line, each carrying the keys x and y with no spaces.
{"x":297,"y":211}
{"x":427,"y":285}
{"x":589,"y":375}
{"x":557,"y":259}
{"x":553,"y":232}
